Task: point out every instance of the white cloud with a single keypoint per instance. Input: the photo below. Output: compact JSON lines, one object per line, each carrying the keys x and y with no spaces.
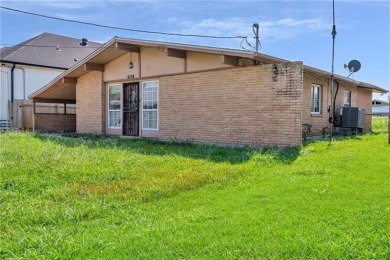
{"x":76,"y":17}
{"x":285,"y":28}
{"x":288,"y":28}
{"x":64,"y":4}
{"x":52,"y":4}
{"x":171,"y":20}
{"x":219,"y":27}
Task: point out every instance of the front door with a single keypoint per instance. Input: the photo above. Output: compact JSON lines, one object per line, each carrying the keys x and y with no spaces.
{"x":131,"y":109}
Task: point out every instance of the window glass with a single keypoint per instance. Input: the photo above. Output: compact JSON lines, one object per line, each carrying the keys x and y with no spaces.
{"x":150,"y":105}
{"x":316,"y":99}
{"x":114,"y":106}
{"x":347,"y":99}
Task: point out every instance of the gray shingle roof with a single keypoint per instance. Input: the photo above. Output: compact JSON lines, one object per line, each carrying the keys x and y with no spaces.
{"x":42,"y":51}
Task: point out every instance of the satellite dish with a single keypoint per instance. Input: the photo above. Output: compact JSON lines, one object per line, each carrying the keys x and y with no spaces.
{"x":354,"y":66}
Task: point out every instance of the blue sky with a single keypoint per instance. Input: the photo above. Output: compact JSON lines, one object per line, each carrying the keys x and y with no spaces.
{"x":293,"y":30}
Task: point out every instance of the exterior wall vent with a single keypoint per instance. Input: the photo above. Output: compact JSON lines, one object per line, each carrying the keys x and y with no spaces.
{"x":4,"y":124}
{"x":352,"y":117}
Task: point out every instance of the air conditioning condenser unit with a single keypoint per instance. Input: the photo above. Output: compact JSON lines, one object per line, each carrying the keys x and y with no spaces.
{"x":352,"y":117}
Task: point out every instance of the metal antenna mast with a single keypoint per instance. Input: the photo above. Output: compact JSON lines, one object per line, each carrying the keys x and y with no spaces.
{"x":256,"y":31}
{"x":331,"y":112}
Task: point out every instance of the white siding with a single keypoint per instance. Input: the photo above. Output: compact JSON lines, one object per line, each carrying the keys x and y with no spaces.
{"x":4,"y":92}
{"x":380,"y":109}
{"x":36,"y":78}
{"x":27,"y":79}
{"x":18,"y":83}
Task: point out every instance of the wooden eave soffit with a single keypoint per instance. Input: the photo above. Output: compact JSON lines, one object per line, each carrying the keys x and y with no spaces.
{"x":93,"y":67}
{"x":127,"y":47}
{"x":176,"y":53}
{"x":45,"y":100}
{"x":68,"y":80}
{"x":229,"y":60}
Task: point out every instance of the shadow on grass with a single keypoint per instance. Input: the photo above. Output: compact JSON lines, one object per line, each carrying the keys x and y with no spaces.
{"x":213,"y":153}
{"x":337,"y":138}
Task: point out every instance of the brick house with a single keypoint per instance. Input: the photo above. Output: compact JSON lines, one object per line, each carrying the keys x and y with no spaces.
{"x":199,"y":94}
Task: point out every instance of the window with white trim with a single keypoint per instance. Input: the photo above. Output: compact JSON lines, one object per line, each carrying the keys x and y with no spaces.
{"x":347,"y":98}
{"x":316,"y":99}
{"x":150,"y":105}
{"x":114,"y":106}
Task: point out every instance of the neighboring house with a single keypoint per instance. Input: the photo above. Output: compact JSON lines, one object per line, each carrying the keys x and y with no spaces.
{"x":30,"y":65}
{"x":380,"y":107}
{"x":199,"y":94}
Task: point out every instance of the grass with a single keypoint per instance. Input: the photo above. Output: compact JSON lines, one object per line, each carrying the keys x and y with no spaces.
{"x":86,"y":197}
{"x":380,"y":123}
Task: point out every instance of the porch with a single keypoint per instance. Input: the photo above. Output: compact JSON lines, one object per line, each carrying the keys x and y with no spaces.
{"x":54,"y":115}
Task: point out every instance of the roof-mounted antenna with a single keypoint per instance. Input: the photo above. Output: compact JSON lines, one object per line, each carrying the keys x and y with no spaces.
{"x":331,"y":110}
{"x":255,"y":28}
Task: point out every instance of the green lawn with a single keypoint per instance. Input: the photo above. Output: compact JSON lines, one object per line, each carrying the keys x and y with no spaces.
{"x":92,"y":197}
{"x":380,"y":123}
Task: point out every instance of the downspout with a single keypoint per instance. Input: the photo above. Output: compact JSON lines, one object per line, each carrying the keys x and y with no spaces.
{"x":334,"y":103}
{"x":11,"y":103}
{"x":13,"y":82}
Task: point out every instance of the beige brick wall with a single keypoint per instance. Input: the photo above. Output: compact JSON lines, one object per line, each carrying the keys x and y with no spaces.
{"x":90,"y":102}
{"x":260,"y":105}
{"x":320,"y":121}
{"x":359,"y":98}
{"x":55,"y":123}
{"x":364,"y":99}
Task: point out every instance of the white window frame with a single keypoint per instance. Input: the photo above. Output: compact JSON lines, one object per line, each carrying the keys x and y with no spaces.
{"x":349,"y":93}
{"x":147,"y":110}
{"x":313,"y":86}
{"x":110,"y":110}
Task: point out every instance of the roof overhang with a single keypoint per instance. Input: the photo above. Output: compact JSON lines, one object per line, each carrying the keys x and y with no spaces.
{"x":64,"y":86}
{"x":359,"y":84}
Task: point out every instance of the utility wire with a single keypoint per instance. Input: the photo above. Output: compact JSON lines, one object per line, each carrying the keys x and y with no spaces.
{"x":123,"y":28}
{"x":257,"y":39}
{"x":50,"y":46}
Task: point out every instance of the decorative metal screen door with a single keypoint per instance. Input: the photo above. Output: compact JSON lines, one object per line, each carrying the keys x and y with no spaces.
{"x":131,"y":109}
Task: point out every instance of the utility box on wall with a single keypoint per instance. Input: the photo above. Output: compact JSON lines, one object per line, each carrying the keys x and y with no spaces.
{"x":352,"y":117}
